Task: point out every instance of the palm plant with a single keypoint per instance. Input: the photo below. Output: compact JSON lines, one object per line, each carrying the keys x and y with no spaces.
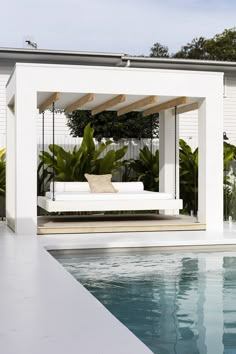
{"x":188,"y":163}
{"x":229,"y":187}
{"x":145,"y":169}
{"x":2,"y":171}
{"x":44,"y":176}
{"x":72,"y":165}
{"x":189,"y":177}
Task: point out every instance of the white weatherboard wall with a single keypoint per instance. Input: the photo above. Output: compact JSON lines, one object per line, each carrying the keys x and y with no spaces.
{"x":4,"y":76}
{"x":189,"y":121}
{"x":28,"y":79}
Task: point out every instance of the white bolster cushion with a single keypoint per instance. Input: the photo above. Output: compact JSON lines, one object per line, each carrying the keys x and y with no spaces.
{"x":84,"y":186}
{"x":128,"y":186}
{"x":70,"y":187}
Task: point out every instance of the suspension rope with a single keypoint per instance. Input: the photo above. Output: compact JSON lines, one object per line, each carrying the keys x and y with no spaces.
{"x":175,"y":190}
{"x":53,"y":151}
{"x":43,"y":147}
{"x":152,"y":133}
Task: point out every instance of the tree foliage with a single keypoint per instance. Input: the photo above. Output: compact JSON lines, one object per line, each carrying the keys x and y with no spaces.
{"x":159,"y":51}
{"x":195,"y":50}
{"x":108,"y":125}
{"x":221,"y":47}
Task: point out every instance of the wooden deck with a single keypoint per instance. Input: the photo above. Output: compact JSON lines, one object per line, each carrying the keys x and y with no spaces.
{"x":116,"y":223}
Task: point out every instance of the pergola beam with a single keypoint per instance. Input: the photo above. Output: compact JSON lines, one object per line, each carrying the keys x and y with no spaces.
{"x":136,"y":105}
{"x":79,"y":103}
{"x":165,"y":105}
{"x":49,"y":101}
{"x":187,"y":108}
{"x":108,"y":104}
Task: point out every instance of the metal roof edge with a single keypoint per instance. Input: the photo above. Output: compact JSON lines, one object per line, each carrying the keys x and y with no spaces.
{"x":58,"y":52}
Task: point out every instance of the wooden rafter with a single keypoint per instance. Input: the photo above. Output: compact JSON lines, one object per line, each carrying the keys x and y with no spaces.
{"x":49,"y":101}
{"x":136,"y":105}
{"x":79,"y":103}
{"x":108,"y":104}
{"x":165,"y":105}
{"x":187,"y":108}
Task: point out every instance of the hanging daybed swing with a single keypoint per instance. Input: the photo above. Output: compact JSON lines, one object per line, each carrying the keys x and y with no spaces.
{"x":77,"y":197}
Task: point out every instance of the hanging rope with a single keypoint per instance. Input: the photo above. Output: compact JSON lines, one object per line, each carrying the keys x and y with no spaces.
{"x":152,"y":134}
{"x":53,"y":151}
{"x":175,"y":191}
{"x":43,"y":147}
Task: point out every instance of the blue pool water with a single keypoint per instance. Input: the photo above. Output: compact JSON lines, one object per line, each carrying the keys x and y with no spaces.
{"x":176,"y":303}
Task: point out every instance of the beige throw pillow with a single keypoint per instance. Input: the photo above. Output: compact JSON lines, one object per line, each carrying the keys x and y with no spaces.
{"x":100,"y":183}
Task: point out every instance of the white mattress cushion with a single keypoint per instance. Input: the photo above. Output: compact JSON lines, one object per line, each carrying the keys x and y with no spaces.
{"x":82,"y":196}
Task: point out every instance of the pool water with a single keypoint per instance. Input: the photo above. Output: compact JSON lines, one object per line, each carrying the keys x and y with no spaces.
{"x":176,"y":303}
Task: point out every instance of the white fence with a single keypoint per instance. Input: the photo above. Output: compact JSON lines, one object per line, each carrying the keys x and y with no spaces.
{"x":134,"y":145}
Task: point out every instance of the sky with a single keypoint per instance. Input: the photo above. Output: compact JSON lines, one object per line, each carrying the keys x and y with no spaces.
{"x":124,"y":26}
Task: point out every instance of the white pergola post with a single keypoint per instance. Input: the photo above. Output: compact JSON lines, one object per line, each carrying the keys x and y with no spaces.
{"x":10,"y":168}
{"x":21,"y":203}
{"x":169,"y":156}
{"x":210,"y":173}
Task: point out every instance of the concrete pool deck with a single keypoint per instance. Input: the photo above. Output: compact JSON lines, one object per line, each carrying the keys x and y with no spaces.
{"x":45,"y":310}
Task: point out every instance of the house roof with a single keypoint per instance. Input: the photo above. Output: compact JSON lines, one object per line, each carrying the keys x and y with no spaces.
{"x":9,"y":56}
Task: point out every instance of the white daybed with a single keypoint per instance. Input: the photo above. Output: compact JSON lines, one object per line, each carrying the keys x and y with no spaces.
{"x":76,"y":196}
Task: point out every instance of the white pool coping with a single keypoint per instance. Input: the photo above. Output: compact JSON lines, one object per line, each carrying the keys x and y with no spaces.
{"x":140,"y":239}
{"x":44,"y":310}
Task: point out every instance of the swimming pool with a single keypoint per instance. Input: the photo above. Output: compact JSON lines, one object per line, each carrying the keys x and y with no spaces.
{"x":175,"y":303}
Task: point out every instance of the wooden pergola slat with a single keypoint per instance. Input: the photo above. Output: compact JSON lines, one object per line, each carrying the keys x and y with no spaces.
{"x":79,"y":103}
{"x":136,"y":105}
{"x":187,"y":108}
{"x":49,"y":101}
{"x":108,"y":104}
{"x":165,"y":105}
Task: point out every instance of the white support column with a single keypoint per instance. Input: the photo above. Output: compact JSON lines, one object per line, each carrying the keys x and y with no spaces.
{"x":210,"y":179}
{"x":169,"y":156}
{"x":25,"y":161}
{"x":10,"y":169}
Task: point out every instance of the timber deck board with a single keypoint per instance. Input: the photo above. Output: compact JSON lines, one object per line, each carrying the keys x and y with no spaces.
{"x":99,"y":223}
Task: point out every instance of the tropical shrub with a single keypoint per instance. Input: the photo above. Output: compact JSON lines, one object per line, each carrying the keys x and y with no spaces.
{"x":188,"y":174}
{"x":230,"y":202}
{"x":229,"y":183}
{"x":72,"y":165}
{"x":189,"y":177}
{"x":2,"y":171}
{"x":145,"y":169}
{"x":44,"y":176}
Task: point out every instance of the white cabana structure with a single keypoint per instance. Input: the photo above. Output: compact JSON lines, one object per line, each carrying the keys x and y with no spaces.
{"x":70,"y":87}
